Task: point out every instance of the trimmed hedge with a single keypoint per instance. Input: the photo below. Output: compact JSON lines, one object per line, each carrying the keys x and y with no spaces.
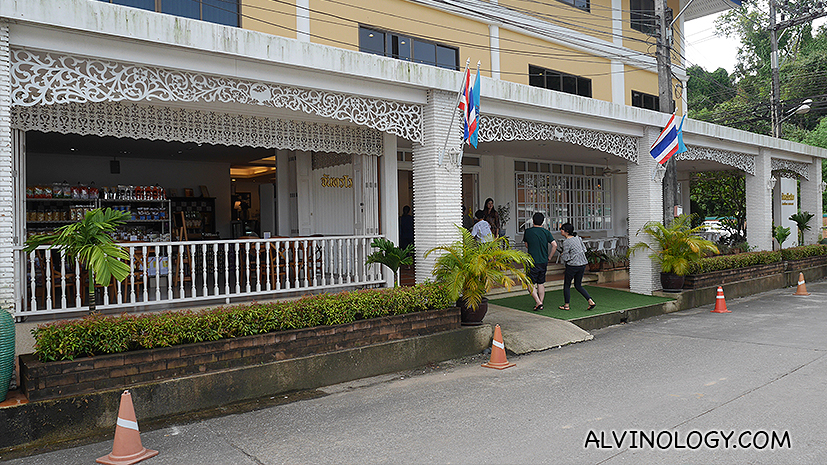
{"x":743,"y":260}
{"x":804,"y":251}
{"x":97,"y":334}
{"x":728,"y":262}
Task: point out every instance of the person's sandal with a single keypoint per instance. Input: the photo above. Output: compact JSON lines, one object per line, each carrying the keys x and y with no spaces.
{"x":563,"y":307}
{"x":538,"y":308}
{"x":591,"y":307}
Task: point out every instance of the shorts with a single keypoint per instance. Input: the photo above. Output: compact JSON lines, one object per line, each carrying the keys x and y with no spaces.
{"x":538,"y":273}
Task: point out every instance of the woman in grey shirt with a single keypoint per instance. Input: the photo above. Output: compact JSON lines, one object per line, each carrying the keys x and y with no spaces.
{"x":573,"y":253}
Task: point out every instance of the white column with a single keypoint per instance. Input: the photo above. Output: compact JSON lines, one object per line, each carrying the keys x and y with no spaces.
{"x":437,"y":188}
{"x":389,"y":195}
{"x":759,"y":203}
{"x":645,"y":201}
{"x":7,"y":184}
{"x":303,"y":20}
{"x":617,"y":66}
{"x":811,"y":201}
{"x":494,"y":41}
{"x":283,"y":191}
{"x":304,"y":193}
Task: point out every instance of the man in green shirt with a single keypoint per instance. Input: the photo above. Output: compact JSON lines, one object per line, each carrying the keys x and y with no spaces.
{"x":537,"y":239}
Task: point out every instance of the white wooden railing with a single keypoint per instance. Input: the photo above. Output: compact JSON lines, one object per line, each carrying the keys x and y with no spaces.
{"x":200,"y":272}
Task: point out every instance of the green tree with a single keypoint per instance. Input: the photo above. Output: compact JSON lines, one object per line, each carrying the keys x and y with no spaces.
{"x":390,"y":255}
{"x":89,"y":241}
{"x":722,"y":194}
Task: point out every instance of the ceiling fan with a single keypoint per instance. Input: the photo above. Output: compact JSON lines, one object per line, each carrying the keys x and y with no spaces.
{"x":608,"y":172}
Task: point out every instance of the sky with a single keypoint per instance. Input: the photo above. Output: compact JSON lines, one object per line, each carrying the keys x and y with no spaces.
{"x":709,"y":51}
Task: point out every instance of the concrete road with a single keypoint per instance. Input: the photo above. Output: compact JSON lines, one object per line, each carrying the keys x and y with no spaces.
{"x":689,"y":387}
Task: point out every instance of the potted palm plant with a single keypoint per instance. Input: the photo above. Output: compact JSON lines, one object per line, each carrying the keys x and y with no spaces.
{"x":801,"y":220}
{"x":679,"y":245}
{"x":470,"y":268}
{"x":391,"y":256}
{"x":89,"y":241}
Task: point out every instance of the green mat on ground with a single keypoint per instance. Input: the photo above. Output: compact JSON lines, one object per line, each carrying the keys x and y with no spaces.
{"x":607,"y":300}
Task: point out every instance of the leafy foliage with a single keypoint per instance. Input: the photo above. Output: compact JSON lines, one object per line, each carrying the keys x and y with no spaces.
{"x":470,"y":268}
{"x":802,"y":220}
{"x":90,"y":242}
{"x":390,"y":255}
{"x":96,"y":334}
{"x":722,"y":194}
{"x":678,"y":245}
{"x":781,"y":234}
{"x":728,"y":262}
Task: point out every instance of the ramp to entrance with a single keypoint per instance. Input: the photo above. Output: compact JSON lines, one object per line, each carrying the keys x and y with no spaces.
{"x":524,"y":332}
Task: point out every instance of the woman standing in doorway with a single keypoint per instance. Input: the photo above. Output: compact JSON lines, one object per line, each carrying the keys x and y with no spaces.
{"x":573,"y":253}
{"x":492,"y":217}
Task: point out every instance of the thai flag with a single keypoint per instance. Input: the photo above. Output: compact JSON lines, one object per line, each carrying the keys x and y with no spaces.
{"x":669,"y":142}
{"x":469,"y":105}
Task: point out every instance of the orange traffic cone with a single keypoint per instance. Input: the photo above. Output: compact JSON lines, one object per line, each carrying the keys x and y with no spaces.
{"x":802,"y":287}
{"x":720,"y":302}
{"x":498,"y":359}
{"x":127,"y":448}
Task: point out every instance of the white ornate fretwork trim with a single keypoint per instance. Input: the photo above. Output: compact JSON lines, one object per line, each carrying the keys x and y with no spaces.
{"x":48,"y":79}
{"x":494,"y":128}
{"x":326,"y":160}
{"x":178,"y":124}
{"x":741,"y":161}
{"x":790,"y":169}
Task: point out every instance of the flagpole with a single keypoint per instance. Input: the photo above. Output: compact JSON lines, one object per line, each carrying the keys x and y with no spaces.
{"x":454,"y":112}
{"x":459,"y":159}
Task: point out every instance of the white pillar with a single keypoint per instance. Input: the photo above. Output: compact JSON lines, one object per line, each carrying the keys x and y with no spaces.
{"x":759,"y":203}
{"x":811,"y":201}
{"x":389,"y":195}
{"x":645,"y":201}
{"x":283,"y":191}
{"x":7,"y":182}
{"x":304,"y":194}
{"x":494,"y":41}
{"x":437,"y":188}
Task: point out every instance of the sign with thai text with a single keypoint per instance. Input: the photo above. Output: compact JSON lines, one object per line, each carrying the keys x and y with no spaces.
{"x":345,"y":182}
{"x":789,"y":206}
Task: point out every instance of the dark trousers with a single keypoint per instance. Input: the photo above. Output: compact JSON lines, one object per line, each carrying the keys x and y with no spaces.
{"x":576,"y":273}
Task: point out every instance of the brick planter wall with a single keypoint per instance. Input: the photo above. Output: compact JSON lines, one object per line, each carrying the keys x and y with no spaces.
{"x":51,"y":380}
{"x":717,"y":278}
{"x":809,"y":262}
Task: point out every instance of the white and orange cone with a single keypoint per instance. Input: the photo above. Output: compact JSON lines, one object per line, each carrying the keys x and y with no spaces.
{"x":802,"y":286}
{"x":720,"y":302}
{"x":127,"y":448}
{"x":498,"y":359}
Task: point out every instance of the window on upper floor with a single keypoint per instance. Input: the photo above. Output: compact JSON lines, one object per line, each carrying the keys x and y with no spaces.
{"x":395,"y":45}
{"x":584,"y":5}
{"x":212,"y":11}
{"x":556,"y":80}
{"x":647,"y":101}
{"x":643,"y":16}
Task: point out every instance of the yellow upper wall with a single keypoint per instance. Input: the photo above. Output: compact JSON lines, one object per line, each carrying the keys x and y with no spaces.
{"x":269,"y":17}
{"x":336,"y":23}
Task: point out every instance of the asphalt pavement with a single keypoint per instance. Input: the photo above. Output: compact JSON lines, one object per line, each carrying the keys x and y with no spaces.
{"x":687,"y":387}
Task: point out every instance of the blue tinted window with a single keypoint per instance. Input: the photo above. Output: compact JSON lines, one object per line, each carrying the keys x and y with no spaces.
{"x":371,"y":41}
{"x":142,"y":4}
{"x":220,"y":12}
{"x":447,"y":57}
{"x":187,"y":9}
{"x":424,"y":52}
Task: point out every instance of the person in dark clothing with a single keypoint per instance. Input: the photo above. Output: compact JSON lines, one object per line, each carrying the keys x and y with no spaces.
{"x":573,"y":253}
{"x":537,"y":239}
{"x":406,"y":228}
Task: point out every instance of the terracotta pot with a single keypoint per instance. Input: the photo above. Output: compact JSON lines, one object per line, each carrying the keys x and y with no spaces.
{"x":671,"y":282}
{"x":469,"y":317}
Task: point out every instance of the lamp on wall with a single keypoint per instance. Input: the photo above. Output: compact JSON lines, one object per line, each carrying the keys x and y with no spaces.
{"x":823,"y":186}
{"x":658,"y":173}
{"x":771,"y":183}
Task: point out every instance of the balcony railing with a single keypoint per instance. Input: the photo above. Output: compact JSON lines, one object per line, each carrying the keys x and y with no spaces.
{"x":174,"y":274}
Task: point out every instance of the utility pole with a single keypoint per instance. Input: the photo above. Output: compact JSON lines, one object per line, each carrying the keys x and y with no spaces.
{"x":808,"y":11}
{"x":667,"y":105}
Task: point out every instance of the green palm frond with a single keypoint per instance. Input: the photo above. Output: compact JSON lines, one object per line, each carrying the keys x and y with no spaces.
{"x":469,"y":268}
{"x":89,"y":241}
{"x":390,"y":255}
{"x":679,"y":245}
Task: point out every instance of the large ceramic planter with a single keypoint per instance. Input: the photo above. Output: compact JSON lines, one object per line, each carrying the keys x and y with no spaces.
{"x":470,"y":317}
{"x":6,"y":352}
{"x":671,"y":282}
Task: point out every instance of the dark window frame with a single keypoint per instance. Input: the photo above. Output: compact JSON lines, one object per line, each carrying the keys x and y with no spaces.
{"x":391,"y":38}
{"x":159,"y":7}
{"x":644,"y":100}
{"x":643,"y":18}
{"x":585,"y":5}
{"x":558,"y":80}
